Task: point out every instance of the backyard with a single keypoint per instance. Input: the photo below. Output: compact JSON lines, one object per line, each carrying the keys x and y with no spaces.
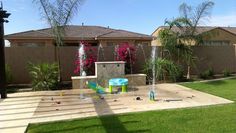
{"x":70,"y":78}
{"x":219,"y":118}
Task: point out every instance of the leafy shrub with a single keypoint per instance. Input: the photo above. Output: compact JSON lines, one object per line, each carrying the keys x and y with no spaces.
{"x":226,"y":73}
{"x":8,"y":74}
{"x":44,"y":76}
{"x":126,"y":52}
{"x":164,"y":69}
{"x":89,"y":60}
{"x":208,"y":74}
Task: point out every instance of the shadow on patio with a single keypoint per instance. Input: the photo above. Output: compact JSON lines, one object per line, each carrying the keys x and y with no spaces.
{"x":110,"y":121}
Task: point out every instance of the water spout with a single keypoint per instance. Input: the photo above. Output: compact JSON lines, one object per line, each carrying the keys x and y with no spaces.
{"x":82,"y":57}
{"x":152,"y":92}
{"x":153,"y":67}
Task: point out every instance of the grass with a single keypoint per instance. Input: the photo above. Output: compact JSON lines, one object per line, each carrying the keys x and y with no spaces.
{"x":210,"y":119}
{"x":222,"y":88}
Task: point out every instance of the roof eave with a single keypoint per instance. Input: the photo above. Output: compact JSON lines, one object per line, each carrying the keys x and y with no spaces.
{"x":126,"y":38}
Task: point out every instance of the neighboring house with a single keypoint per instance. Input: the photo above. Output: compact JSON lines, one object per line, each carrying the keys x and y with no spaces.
{"x":94,"y":35}
{"x":212,"y":36}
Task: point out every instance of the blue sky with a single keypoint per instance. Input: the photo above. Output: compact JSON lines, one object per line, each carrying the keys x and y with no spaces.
{"x":142,"y":16}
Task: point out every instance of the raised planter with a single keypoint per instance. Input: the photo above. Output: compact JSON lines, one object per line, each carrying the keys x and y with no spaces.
{"x":136,"y":79}
{"x":104,"y":71}
{"x":80,"y":81}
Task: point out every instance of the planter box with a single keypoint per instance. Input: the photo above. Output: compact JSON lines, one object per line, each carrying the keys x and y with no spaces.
{"x":79,"y":82}
{"x":136,"y":79}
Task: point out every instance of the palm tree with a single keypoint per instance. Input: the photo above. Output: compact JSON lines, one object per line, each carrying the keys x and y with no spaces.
{"x":58,"y":14}
{"x":187,"y":25}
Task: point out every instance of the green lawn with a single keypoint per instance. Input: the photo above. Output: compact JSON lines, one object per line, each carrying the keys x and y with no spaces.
{"x":213,"y":119}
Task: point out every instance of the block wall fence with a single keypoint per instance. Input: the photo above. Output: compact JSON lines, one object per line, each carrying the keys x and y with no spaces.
{"x":216,"y":57}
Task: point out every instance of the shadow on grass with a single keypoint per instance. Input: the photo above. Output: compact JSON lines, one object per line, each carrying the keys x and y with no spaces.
{"x":111,"y":122}
{"x":75,"y":128}
{"x":219,"y":82}
{"x":81,"y":128}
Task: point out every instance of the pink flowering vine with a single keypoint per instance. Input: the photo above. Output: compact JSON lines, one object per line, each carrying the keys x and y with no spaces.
{"x":88,"y":60}
{"x":126,"y":52}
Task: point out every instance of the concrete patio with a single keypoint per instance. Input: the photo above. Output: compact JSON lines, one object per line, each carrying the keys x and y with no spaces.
{"x":20,"y":109}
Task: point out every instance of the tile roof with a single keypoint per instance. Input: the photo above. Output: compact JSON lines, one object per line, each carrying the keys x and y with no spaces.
{"x":81,"y":32}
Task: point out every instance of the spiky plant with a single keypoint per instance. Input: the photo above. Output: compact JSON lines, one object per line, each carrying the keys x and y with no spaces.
{"x":44,"y":76}
{"x":165,"y":69}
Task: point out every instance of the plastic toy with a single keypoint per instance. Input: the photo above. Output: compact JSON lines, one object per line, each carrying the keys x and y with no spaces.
{"x":152,"y":95}
{"x":94,"y":86}
{"x":123,"y":82}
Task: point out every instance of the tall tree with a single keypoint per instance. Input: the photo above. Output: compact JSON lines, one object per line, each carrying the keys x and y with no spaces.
{"x":187,"y":35}
{"x":58,"y":14}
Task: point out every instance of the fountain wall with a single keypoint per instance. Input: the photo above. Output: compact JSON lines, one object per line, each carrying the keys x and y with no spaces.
{"x":107,"y":70}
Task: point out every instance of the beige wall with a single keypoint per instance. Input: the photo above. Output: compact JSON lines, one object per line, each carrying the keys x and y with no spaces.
{"x":18,"y":42}
{"x":156,"y":42}
{"x":18,"y":58}
{"x":220,"y":35}
{"x":217,"y":57}
{"x":217,"y":34}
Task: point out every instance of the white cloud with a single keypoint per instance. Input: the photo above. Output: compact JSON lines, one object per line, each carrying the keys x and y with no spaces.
{"x":223,"y":20}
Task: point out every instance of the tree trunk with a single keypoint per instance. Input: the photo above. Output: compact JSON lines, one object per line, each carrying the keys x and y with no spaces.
{"x":188,"y":73}
{"x":59,"y":62}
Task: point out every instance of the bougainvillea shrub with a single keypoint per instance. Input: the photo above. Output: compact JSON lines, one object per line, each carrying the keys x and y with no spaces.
{"x":88,"y":60}
{"x":126,"y":52}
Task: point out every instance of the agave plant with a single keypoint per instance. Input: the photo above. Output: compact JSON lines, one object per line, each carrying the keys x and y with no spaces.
{"x":44,"y":76}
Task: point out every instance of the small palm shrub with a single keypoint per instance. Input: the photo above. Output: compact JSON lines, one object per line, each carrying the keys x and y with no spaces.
{"x":8,"y":74}
{"x":44,"y":76}
{"x":207,"y":74}
{"x":164,"y":69}
{"x":226,"y":73}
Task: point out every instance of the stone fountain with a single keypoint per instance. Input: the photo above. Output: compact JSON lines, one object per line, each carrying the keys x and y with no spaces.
{"x":105,"y":71}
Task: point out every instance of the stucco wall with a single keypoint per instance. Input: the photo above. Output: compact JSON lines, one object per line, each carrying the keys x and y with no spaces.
{"x":219,"y":34}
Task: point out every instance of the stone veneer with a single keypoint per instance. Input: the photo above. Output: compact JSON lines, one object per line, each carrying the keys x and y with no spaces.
{"x":105,"y":71}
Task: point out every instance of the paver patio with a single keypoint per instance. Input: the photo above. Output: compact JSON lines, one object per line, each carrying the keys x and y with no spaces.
{"x":20,"y":109}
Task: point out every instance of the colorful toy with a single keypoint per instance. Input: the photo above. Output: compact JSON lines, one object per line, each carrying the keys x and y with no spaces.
{"x":151,"y":95}
{"x":95,"y":87}
{"x":123,"y":82}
